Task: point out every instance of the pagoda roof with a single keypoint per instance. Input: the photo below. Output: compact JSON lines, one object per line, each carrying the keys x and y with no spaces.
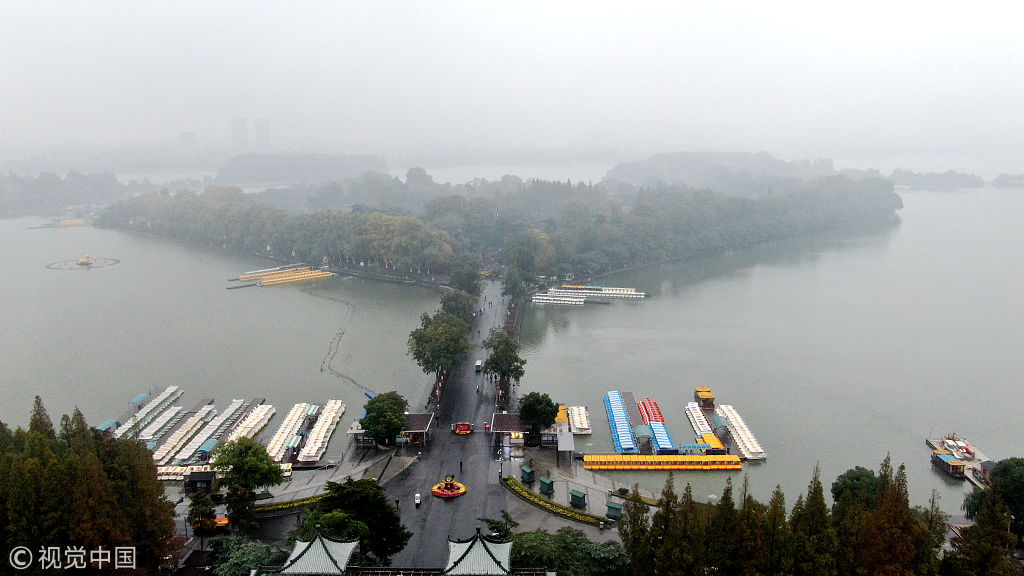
{"x":321,"y":555}
{"x":478,"y":556}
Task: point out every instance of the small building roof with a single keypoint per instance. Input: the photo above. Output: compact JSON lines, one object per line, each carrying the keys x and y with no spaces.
{"x":200,"y":475}
{"x":321,"y":555}
{"x":418,"y":422}
{"x":503,"y":422}
{"x":478,"y":556}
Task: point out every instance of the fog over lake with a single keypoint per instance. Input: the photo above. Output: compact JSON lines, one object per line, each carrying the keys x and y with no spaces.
{"x":835,"y":350}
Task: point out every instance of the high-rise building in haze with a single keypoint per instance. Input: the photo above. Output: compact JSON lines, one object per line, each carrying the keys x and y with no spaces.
{"x":187,"y":143}
{"x":261,"y":135}
{"x":239,"y":135}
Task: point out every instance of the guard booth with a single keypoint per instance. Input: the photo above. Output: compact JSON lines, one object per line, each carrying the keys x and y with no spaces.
{"x":577,"y":499}
{"x":546,"y":486}
{"x":527,"y":474}
{"x":614,"y":510}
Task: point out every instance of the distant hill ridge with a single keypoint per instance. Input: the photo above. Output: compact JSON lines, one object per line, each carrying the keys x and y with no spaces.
{"x":296,"y":168}
{"x":734,"y":173}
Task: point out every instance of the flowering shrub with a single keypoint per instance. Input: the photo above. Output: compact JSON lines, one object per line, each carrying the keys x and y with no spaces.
{"x":555,"y":508}
{"x":288,"y":504}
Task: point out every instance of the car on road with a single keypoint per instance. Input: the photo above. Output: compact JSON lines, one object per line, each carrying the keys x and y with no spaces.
{"x":416,"y":499}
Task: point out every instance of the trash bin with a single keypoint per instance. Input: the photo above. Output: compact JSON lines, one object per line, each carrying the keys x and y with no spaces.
{"x":577,"y":499}
{"x":527,"y":474}
{"x":546,"y":486}
{"x":614,"y":510}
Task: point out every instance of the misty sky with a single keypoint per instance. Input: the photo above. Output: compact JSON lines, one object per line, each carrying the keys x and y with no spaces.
{"x":923,"y":82}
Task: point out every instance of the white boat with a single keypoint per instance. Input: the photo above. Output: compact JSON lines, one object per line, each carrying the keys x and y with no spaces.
{"x":745,"y":440}
{"x":579,"y":419}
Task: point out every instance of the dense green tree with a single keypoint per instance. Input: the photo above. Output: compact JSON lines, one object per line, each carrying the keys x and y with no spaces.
{"x":535,"y":549}
{"x":751,"y":551}
{"x":634,"y":531}
{"x":983,"y":549}
{"x":665,"y":553}
{"x":691,"y":529}
{"x":244,"y":462}
{"x":855,"y":495}
{"x":932,"y":537}
{"x":244,"y":466}
{"x":237,"y":556}
{"x":358,"y":509}
{"x":895,"y":531}
{"x":1008,"y":478}
{"x":438,"y":343}
{"x":534,"y":228}
{"x":538,"y":411}
{"x":466,"y":276}
{"x":460,"y":304}
{"x":385,"y":417}
{"x":40,"y":421}
{"x":723,"y":534}
{"x":778,"y":539}
{"x":241,"y":508}
{"x":814,"y":538}
{"x":505,"y":362}
{"x":501,"y":529}
{"x":568,"y":552}
{"x":201,"y":515}
{"x":81,"y":488}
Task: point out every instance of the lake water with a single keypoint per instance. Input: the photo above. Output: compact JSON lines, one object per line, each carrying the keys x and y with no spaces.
{"x":95,"y":338}
{"x":835,"y":351}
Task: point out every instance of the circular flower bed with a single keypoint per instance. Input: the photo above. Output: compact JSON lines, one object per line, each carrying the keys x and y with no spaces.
{"x":449,"y":488}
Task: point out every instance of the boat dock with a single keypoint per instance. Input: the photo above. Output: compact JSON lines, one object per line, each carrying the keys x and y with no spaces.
{"x":160,"y":424}
{"x":698,"y":421}
{"x":179,"y":473}
{"x":741,"y":435}
{"x":184,"y":432}
{"x":619,"y":420}
{"x":289,"y":428}
{"x":661,"y":462}
{"x":282,"y":275}
{"x":574,"y":295}
{"x":558,"y":300}
{"x":650,"y":411}
{"x":207,"y":431}
{"x":579,"y":419}
{"x":253,"y":422}
{"x":299,"y":275}
{"x":661,"y":441}
{"x":206,"y":440}
{"x":320,"y":435}
{"x":952,"y":450}
{"x":147,"y":413}
{"x":258,"y":274}
{"x":597,"y":292}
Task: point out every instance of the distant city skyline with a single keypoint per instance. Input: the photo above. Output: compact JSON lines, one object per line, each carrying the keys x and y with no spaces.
{"x":923,"y":86}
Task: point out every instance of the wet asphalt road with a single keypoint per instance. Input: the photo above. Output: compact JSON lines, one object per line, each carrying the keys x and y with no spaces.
{"x":435,"y":519}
